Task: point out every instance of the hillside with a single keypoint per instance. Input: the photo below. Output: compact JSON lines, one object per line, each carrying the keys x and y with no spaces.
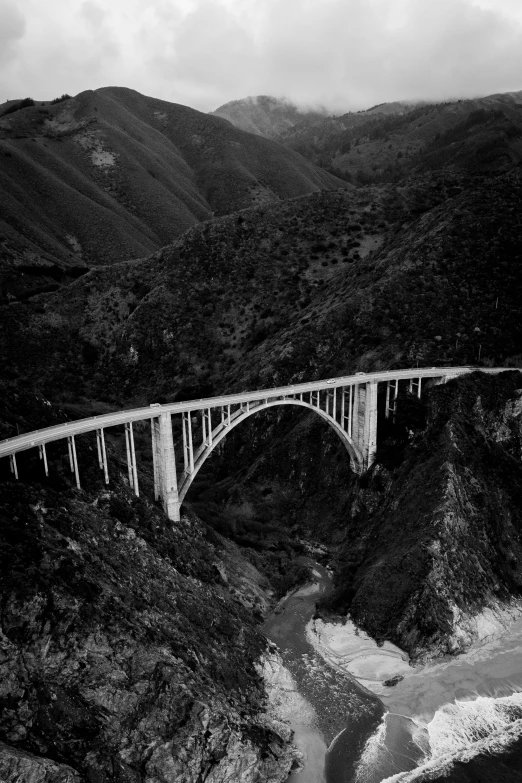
{"x":112,"y":174}
{"x":427,"y":272}
{"x":394,"y":140}
{"x":130,"y":649}
{"x":436,"y":542}
{"x":267,"y":116}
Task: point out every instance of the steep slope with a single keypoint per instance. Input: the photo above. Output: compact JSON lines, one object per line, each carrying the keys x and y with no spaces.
{"x":112,"y":174}
{"x":355,"y":279}
{"x":130,"y":649}
{"x":266,"y":116}
{"x":435,"y":545}
{"x":443,"y":289}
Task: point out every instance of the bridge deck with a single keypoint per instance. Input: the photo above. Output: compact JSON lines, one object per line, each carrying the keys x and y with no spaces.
{"x":59,"y":431}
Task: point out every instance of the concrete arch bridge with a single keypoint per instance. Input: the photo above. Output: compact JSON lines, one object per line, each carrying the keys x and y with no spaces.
{"x":347,"y":404}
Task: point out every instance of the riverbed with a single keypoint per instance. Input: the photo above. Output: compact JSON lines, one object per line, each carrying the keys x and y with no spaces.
{"x":358,"y":729}
{"x":332,"y":701}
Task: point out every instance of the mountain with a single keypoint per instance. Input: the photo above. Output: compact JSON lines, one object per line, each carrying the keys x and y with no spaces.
{"x":391,"y":141}
{"x":266,"y":116}
{"x":112,"y":174}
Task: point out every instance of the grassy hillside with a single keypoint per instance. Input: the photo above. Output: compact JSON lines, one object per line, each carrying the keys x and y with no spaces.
{"x":112,"y":174}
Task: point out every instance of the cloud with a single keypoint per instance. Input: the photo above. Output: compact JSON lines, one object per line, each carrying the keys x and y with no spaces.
{"x":339,"y":53}
{"x":93,"y":13}
{"x":12,"y":29}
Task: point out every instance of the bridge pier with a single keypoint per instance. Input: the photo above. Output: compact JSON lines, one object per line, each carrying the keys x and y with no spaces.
{"x":73,"y":459}
{"x":370,"y":424}
{"x":131,"y":458}
{"x":102,"y":454}
{"x":165,"y":476}
{"x":363,"y":420}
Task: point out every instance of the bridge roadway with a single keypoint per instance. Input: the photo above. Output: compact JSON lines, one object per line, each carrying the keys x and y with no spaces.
{"x":48,"y":434}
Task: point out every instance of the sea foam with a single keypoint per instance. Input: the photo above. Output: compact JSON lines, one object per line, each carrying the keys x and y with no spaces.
{"x":464,"y":729}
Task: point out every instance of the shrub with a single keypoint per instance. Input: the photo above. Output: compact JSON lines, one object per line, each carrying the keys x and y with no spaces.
{"x":64,"y":97}
{"x":20,"y":105}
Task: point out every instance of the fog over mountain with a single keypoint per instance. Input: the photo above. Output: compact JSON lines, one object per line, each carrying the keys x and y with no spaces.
{"x":203,"y":53}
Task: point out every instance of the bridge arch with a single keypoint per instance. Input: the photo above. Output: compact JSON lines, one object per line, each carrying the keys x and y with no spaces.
{"x":222,"y":430}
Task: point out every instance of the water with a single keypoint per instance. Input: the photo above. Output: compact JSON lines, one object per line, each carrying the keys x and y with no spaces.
{"x":459,"y":720}
{"x":330,"y":701}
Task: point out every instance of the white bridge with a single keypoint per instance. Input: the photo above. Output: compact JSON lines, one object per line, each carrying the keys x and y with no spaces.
{"x":348,"y":404}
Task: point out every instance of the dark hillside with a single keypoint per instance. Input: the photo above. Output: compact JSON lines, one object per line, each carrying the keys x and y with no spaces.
{"x":111,"y":174}
{"x":428,"y":273}
{"x":184,"y":316}
{"x":358,"y":279}
{"x":437,"y":541}
{"x":445,"y":289}
{"x":128,"y":651}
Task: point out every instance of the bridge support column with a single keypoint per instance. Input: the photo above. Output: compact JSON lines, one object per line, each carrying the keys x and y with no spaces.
{"x":131,"y":459}
{"x":370,"y":424}
{"x":14,"y":466}
{"x":415,"y":386}
{"x":102,"y":454}
{"x":165,"y":464}
{"x":71,"y":444}
{"x":356,"y":433}
{"x":43,"y":455}
{"x":188,"y":448}
{"x":392,"y":392}
{"x":364,"y":420}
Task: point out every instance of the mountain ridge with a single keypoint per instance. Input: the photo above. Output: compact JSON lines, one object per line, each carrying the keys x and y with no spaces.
{"x":112,"y":174}
{"x":392,"y":140}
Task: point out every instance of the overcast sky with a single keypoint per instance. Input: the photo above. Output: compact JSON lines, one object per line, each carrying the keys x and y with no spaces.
{"x":344,"y":54}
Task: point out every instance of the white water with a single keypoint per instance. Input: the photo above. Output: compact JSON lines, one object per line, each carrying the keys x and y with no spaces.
{"x":459,"y":732}
{"x":371,"y":754}
{"x":439,"y":713}
{"x":459,"y":726}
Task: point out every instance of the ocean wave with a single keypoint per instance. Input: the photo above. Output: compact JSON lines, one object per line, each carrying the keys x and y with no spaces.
{"x":461,"y":731}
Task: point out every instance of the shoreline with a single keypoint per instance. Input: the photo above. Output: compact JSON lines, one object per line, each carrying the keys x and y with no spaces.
{"x":293,"y":710}
{"x":491,"y":667}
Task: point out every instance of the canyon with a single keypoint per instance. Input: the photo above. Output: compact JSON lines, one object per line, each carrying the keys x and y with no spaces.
{"x":206,"y":261}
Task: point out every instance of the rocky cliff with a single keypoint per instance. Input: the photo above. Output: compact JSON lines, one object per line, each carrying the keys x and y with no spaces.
{"x":432,"y":558}
{"x":128,"y":647}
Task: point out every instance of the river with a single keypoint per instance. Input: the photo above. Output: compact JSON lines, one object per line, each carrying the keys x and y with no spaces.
{"x":457,"y":720}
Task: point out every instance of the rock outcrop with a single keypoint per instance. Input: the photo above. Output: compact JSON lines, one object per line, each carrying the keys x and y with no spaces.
{"x":127,"y":650}
{"x":16,"y":765}
{"x":432,"y":559}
